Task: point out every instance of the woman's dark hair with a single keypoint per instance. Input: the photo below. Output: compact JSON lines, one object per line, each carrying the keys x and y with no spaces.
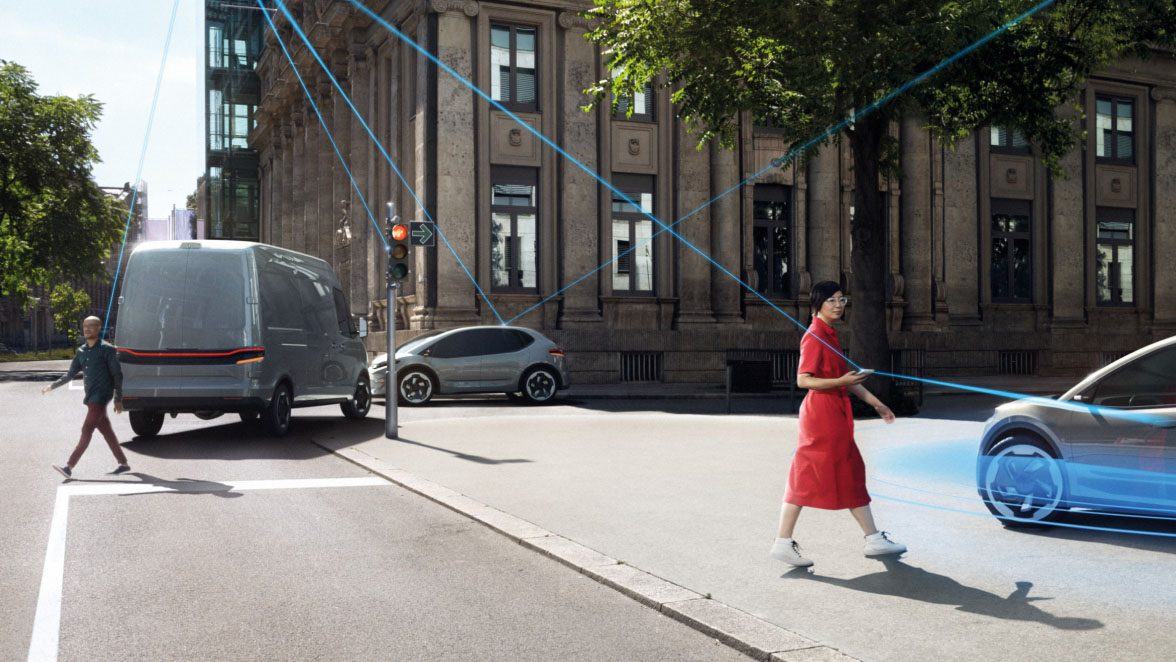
{"x":821,"y":291}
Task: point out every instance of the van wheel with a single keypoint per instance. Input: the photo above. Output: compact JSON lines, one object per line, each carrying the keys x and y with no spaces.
{"x":146,"y":424}
{"x":416,"y":387}
{"x":277,"y":414}
{"x":1022,"y":482}
{"x":361,"y":401}
{"x":539,"y":385}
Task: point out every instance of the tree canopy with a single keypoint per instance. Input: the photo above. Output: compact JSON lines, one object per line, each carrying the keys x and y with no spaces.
{"x":56,"y":225}
{"x":804,"y":66}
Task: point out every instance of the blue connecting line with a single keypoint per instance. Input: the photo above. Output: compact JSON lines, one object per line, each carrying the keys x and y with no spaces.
{"x":294,"y":24}
{"x":310,"y":98}
{"x":142,"y":157}
{"x":666,"y":228}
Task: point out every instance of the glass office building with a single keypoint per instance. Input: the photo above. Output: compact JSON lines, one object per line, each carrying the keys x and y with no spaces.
{"x":233,"y":43}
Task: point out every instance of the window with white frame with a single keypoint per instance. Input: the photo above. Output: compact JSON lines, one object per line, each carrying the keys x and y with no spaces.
{"x":514,"y":215}
{"x":632,"y":232}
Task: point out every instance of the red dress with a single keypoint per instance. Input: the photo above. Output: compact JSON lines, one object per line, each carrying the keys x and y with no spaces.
{"x":827,"y":469}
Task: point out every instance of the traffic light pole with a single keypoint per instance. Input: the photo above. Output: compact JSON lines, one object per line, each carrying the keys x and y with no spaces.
{"x":391,"y":381}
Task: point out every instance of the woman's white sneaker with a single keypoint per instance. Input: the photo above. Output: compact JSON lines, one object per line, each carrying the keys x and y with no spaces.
{"x":788,"y":551}
{"x":880,"y":544}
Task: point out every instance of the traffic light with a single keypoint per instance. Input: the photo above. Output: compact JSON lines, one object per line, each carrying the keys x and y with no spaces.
{"x":398,"y":253}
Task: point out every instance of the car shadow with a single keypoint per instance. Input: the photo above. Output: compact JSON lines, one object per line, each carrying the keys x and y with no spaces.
{"x":905,"y":581}
{"x":1152,"y":534}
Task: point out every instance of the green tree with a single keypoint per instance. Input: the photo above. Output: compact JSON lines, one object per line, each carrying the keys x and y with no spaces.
{"x":807,"y":65}
{"x":56,"y":226}
{"x":190,"y":201}
{"x":68,"y":305}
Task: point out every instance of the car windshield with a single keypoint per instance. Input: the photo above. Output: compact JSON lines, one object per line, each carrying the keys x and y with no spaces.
{"x":416,"y":342}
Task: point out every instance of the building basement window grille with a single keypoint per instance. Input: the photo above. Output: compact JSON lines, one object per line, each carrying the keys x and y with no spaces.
{"x":1110,"y":357}
{"x":641,"y":366}
{"x":1022,"y":362}
{"x":783,"y":362}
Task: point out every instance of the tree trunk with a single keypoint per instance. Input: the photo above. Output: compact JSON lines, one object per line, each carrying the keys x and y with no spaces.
{"x":867,"y":318}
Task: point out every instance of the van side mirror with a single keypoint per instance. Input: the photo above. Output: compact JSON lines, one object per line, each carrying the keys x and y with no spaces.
{"x":363,"y":330}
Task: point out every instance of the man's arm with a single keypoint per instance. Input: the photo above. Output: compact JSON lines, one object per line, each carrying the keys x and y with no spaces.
{"x":116,"y":377}
{"x":74,"y":367}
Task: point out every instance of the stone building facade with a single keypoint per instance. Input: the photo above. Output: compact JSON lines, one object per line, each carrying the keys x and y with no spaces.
{"x":994,"y":265}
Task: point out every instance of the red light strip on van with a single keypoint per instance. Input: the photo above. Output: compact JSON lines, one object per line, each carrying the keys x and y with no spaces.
{"x":225,"y":357}
{"x":201,"y":354}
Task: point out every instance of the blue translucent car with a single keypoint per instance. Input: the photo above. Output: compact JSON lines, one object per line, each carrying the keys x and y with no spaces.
{"x":1108,"y":444}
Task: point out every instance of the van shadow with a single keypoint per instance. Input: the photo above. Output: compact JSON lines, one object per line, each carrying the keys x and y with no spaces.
{"x":235,"y":440}
{"x":904,"y":581}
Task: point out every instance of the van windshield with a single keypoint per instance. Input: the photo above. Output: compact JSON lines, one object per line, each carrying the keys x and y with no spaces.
{"x":184,"y":299}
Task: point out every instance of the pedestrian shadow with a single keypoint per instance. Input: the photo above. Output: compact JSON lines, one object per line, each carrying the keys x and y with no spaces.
{"x":182,"y":486}
{"x":904,"y":581}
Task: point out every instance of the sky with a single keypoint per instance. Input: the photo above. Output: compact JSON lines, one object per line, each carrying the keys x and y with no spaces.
{"x":113,"y":51}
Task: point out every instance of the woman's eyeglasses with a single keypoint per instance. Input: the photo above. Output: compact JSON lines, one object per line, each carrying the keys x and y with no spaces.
{"x":838,"y":301}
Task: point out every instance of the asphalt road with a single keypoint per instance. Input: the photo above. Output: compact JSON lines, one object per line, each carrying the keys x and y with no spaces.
{"x":691,"y":495}
{"x":225,"y":545}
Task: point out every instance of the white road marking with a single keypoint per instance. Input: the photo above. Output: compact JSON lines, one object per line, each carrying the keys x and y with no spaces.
{"x":47,"y":622}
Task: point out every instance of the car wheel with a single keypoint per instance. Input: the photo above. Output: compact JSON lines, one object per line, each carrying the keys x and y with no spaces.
{"x":146,"y":424}
{"x":249,"y":415}
{"x":361,"y":401}
{"x":277,"y":414}
{"x":1022,"y":482}
{"x":416,"y":387}
{"x":540,"y":385}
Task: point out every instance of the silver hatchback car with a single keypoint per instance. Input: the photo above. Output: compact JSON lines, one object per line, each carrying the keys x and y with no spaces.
{"x":1107,"y":444}
{"x":517,"y":361}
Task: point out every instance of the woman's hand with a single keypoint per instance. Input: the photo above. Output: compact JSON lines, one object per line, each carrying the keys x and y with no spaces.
{"x":884,"y":412}
{"x":851,"y":378}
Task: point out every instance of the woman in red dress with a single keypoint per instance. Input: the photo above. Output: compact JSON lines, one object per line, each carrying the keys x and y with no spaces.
{"x":827,"y":470}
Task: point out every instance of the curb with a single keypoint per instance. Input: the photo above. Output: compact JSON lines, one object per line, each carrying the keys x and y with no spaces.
{"x":740,"y":630}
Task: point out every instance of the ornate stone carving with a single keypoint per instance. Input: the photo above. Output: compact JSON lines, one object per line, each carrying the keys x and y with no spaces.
{"x":1164,"y":93}
{"x":572,"y":21}
{"x":468,"y":7}
{"x":516,"y":137}
{"x":634,"y":146}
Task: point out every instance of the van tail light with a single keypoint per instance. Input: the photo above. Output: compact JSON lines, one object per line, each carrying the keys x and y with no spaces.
{"x":556,"y":352}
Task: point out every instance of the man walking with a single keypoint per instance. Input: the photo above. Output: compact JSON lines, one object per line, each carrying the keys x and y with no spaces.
{"x":98,"y":360}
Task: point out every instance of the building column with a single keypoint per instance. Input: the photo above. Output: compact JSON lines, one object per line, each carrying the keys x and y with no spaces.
{"x":366,"y":243}
{"x":1067,"y":271}
{"x":823,"y":226}
{"x":916,"y":221}
{"x":294,"y":238}
{"x":961,"y":241}
{"x":692,"y":185}
{"x":314,"y":141}
{"x":328,"y":162}
{"x":1164,"y":228}
{"x":454,"y":200}
{"x":725,"y":235}
{"x":578,"y":202}
{"x":349,"y":221}
{"x":277,"y":177}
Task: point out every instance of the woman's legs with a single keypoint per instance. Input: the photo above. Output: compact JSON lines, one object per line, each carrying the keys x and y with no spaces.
{"x":788,"y":515}
{"x":865,"y":519}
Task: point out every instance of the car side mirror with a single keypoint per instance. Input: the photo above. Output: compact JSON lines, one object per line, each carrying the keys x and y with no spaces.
{"x":363,"y":328}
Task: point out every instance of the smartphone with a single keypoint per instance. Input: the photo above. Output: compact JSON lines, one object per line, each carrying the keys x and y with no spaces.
{"x":864,"y":371}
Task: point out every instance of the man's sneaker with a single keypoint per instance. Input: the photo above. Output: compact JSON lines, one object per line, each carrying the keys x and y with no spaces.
{"x":120,"y":469}
{"x":880,"y":544}
{"x":788,"y":551}
{"x":63,"y":469}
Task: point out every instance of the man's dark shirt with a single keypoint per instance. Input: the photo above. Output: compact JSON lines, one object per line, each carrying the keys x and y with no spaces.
{"x":102,"y":372}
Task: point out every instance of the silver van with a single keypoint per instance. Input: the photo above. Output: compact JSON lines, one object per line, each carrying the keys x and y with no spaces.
{"x":210,"y":327}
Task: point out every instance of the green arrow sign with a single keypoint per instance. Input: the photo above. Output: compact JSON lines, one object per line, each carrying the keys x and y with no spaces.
{"x":422,"y":234}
